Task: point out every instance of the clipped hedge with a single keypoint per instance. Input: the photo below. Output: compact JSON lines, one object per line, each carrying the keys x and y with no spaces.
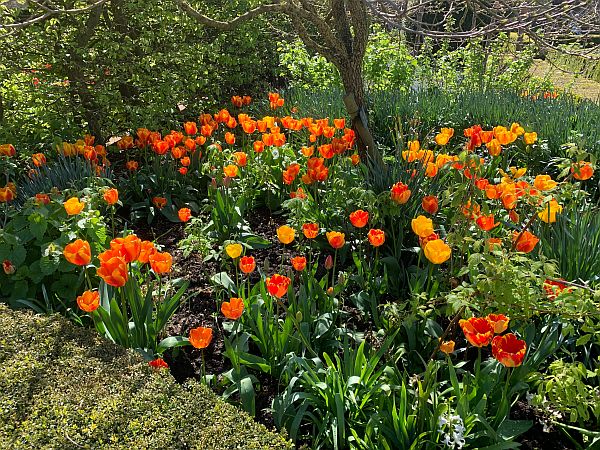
{"x":63,"y":387}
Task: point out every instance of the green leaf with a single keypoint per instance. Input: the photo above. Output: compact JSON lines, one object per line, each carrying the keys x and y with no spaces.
{"x":510,"y":429}
{"x":171,"y":342}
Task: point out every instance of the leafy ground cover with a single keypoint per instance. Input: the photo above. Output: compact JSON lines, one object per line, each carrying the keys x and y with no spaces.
{"x":448,"y":297}
{"x":107,"y":397}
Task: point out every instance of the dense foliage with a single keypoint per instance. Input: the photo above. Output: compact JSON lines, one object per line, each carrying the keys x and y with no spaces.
{"x":107,"y":398}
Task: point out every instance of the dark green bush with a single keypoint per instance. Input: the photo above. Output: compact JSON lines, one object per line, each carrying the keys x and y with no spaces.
{"x":63,"y":387}
{"x":129,"y":64}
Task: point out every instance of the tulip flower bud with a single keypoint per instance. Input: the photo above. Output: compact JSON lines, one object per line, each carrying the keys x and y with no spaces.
{"x":330,"y":291}
{"x":299,"y":316}
{"x":329,"y":262}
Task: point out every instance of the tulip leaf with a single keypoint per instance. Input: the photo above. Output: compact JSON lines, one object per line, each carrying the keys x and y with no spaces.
{"x":171,"y":342}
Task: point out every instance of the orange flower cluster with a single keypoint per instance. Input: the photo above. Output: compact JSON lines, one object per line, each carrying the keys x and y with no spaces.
{"x":507,"y":349}
{"x":95,"y":154}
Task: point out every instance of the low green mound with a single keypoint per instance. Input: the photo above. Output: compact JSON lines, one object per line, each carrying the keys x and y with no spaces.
{"x":63,"y":387}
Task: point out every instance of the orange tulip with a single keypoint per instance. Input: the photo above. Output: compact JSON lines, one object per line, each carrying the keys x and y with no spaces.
{"x":477,"y":331}
{"x":278,"y":285}
{"x":299,"y":263}
{"x":430,"y":204}
{"x":498,"y":322}
{"x":442,"y":139}
{"x":494,"y":147}
{"x":310,"y":230}
{"x":471,"y":210}
{"x":190,"y":128}
{"x":113,"y":270}
{"x":482,"y":183}
{"x":530,"y":138}
{"x":73,"y":206}
{"x":158,"y":363}
{"x":89,"y":301}
{"x":201,"y":337}
{"x":437,"y":251}
{"x":132,"y":165}
{"x":183,"y":170}
{"x":359,"y":218}
{"x":160,"y":147}
{"x":431,"y":170}
{"x":340,"y":124}
{"x":160,"y":262}
{"x":6,"y":194}
{"x":494,"y":244}
{"x":111,"y":196}
{"x":582,"y":171}
{"x":400,"y":193}
{"x":233,"y":309}
{"x":336,"y":239}
{"x":231,"y":123}
{"x":249,"y":126}
{"x":285,"y":234}
{"x":146,"y":249}
{"x":230,"y":171}
{"x":7,"y":150}
{"x":237,"y":101}
{"x":247,"y":264}
{"x":376,"y":237}
{"x":316,"y":169}
{"x":39,"y":159}
{"x":159,"y":202}
{"x":185,"y":161}
{"x":422,"y":226}
{"x":486,"y":223}
{"x":42,"y":199}
{"x":526,"y":242}
{"x":355,"y":159}
{"x":230,"y":138}
{"x":78,"y":252}
{"x":241,"y":159}
{"x":447,"y":347}
{"x":258,"y":146}
{"x":128,"y":247}
{"x":184,"y":214}
{"x":544,"y":182}
{"x":509,"y":350}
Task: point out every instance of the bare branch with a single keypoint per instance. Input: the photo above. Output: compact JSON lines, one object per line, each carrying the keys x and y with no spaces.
{"x":234,"y":23}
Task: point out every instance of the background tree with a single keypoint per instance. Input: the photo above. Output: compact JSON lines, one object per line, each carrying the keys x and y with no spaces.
{"x":339,"y":29}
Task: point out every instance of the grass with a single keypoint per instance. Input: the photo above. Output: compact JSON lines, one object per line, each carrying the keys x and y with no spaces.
{"x":572,"y":82}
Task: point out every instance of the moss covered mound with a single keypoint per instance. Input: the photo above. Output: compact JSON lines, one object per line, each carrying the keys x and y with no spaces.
{"x":63,"y":387}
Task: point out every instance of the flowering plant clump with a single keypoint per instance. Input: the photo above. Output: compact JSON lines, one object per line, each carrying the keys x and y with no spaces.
{"x":407,"y":305}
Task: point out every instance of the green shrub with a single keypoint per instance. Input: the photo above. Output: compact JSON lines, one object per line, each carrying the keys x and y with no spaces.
{"x":64,"y":387}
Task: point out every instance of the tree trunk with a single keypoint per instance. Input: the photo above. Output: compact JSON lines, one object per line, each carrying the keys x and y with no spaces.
{"x":354,"y":99}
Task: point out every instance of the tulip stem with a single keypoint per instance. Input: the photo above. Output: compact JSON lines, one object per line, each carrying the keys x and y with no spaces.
{"x":203,"y":367}
{"x":333,"y":272}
